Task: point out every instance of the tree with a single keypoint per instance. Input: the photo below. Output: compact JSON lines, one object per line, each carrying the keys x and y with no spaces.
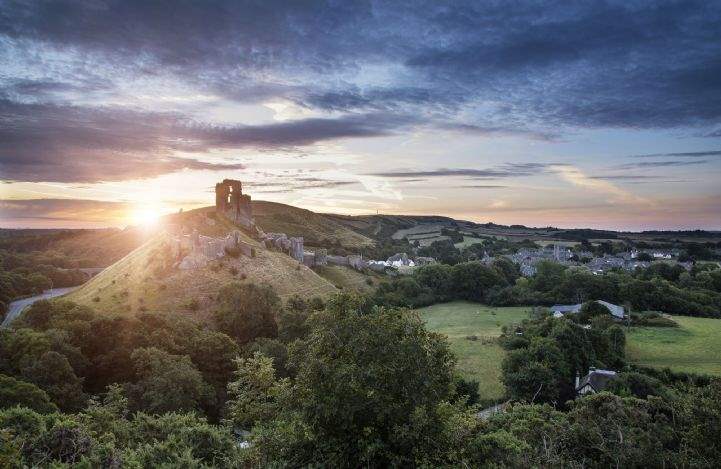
{"x":292,"y":320}
{"x":54,"y":375}
{"x":590,"y":310}
{"x":472,"y":280}
{"x":247,"y":311}
{"x":253,"y":391}
{"x":166,"y":382}
{"x":644,"y":257}
{"x":368,"y":391}
{"x":14,"y":392}
{"x":507,"y":269}
{"x":611,"y":431}
{"x":436,"y":277}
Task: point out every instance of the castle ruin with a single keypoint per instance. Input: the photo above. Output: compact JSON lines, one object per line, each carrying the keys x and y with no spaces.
{"x":231,"y":202}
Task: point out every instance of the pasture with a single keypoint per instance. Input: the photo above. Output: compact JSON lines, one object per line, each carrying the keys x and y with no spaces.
{"x":472,"y":329}
{"x":468,"y":241}
{"x":694,"y":346}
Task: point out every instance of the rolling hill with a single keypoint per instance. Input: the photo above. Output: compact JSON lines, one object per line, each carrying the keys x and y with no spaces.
{"x":316,"y":229}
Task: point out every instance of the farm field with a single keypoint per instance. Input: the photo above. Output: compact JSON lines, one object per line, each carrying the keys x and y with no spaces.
{"x":468,"y":241}
{"x":478,"y":359}
{"x":694,"y":346}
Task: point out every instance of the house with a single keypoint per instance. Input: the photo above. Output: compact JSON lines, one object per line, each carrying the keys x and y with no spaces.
{"x":425,"y":260}
{"x":618,"y":312}
{"x":528,"y":270}
{"x":561,"y":310}
{"x":400,"y":259}
{"x":595,"y":381}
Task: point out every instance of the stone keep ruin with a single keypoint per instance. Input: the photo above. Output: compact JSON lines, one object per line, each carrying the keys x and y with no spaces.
{"x":231,"y":202}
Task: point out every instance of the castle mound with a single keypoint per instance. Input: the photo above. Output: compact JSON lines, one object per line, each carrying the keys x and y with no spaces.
{"x":147,"y":280}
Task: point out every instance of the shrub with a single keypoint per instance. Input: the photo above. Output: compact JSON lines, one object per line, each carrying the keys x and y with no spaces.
{"x":233,"y":252}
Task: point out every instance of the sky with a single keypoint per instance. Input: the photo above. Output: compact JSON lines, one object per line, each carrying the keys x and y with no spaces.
{"x":592,"y":114}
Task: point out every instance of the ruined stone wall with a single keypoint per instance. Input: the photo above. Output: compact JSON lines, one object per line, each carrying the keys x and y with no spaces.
{"x":296,"y":249}
{"x":309,"y":259}
{"x":321,"y":256}
{"x":354,"y":261}
{"x":337,"y":260}
{"x":205,"y":248}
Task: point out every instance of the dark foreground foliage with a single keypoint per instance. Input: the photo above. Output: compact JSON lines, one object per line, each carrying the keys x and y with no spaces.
{"x":343,"y":384}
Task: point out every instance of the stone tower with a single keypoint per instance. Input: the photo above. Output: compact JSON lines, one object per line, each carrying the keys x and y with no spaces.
{"x":231,"y":202}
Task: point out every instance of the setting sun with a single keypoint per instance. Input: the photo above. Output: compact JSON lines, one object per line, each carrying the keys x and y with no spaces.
{"x":147,"y":216}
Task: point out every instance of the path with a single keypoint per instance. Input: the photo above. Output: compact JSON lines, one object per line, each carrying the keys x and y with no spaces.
{"x":16,"y":307}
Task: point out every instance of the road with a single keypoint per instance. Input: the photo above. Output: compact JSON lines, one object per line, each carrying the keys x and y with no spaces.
{"x":17,"y":306}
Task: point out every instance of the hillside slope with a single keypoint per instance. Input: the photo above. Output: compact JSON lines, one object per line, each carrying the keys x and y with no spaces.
{"x":145,"y":280}
{"x":316,"y":229}
{"x":384,"y":226}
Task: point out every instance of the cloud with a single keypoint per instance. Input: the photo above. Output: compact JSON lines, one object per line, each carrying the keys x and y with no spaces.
{"x":576,"y":177}
{"x":504,"y":171}
{"x":660,"y":164}
{"x":691,"y":154}
{"x":45,"y":142}
{"x":530,"y":67}
{"x":640,"y":178}
{"x":60,"y":210}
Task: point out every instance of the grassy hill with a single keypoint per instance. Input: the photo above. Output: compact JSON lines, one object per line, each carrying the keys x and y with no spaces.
{"x":316,"y":229}
{"x":144,"y":281}
{"x":384,"y":226}
{"x":346,"y":278}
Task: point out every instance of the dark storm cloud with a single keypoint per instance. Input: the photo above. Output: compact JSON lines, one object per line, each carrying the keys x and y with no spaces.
{"x":43,"y":142}
{"x":504,"y":171}
{"x":530,"y":69}
{"x":585,"y":64}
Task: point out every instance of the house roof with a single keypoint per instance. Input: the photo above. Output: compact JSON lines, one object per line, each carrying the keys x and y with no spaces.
{"x":615,"y":310}
{"x":597,"y":379}
{"x":566,"y":308}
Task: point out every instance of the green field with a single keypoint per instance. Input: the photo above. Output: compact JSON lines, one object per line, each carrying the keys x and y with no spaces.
{"x":468,"y":241}
{"x":695,"y":346}
{"x":478,"y":359}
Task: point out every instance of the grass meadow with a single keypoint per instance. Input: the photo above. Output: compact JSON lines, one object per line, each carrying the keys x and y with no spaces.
{"x":479,"y":358}
{"x":694,"y":346}
{"x":472,"y":328}
{"x":468,"y":241}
